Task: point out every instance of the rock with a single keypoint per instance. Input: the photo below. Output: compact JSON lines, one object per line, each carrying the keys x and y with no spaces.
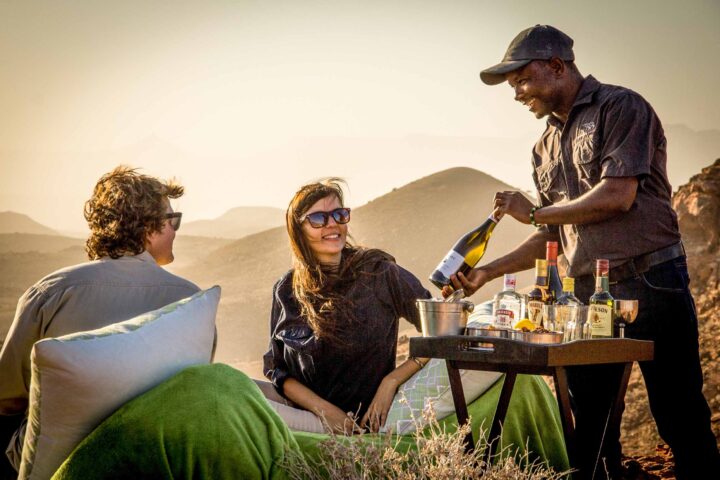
{"x":698,"y":207}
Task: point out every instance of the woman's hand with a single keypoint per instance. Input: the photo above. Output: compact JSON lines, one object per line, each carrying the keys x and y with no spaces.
{"x":376,"y":414}
{"x":338,"y":421}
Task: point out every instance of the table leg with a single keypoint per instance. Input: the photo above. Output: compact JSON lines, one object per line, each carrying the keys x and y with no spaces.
{"x":500,"y":413}
{"x":615,"y":415}
{"x":459,"y":399}
{"x":563,"y":397}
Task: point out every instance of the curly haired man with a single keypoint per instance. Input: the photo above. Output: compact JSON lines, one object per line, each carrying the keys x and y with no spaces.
{"x":132,"y":228}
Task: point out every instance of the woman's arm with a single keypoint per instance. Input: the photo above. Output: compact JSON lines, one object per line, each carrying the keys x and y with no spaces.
{"x":376,"y":414}
{"x":332,"y":417}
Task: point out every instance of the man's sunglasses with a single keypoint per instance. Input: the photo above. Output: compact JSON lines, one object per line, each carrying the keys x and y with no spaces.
{"x":175,"y":218}
{"x":321,"y":219}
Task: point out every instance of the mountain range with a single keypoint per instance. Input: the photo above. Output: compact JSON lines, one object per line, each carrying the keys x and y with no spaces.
{"x":237,"y":222}
{"x":11,"y":222}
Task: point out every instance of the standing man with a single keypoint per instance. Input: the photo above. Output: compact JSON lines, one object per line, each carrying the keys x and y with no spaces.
{"x":603,"y":192}
{"x":132,"y":229}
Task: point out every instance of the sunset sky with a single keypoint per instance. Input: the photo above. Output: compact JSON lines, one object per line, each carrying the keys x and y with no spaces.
{"x":243,"y":101}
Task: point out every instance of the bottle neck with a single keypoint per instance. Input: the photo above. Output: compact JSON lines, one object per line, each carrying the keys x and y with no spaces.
{"x":602,"y":284}
{"x":541,"y":281}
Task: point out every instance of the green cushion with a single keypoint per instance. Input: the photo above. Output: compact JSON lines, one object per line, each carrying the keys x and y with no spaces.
{"x":208,"y":421}
{"x":213,"y":422}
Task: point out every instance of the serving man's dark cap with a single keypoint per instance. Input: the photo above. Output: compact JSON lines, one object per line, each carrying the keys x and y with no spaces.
{"x":541,"y":42}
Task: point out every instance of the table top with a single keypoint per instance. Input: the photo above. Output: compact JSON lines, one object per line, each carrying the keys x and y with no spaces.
{"x":504,"y":351}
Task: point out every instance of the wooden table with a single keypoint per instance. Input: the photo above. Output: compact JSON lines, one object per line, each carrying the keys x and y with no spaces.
{"x":514,"y":357}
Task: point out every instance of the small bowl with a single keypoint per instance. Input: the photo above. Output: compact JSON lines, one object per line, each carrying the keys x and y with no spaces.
{"x":533,"y":337}
{"x":484,"y":330}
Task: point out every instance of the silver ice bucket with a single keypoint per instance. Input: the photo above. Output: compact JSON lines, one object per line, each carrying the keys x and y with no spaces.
{"x":439,"y":318}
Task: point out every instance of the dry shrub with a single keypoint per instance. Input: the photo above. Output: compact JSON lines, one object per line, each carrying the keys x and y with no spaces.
{"x":438,"y":456}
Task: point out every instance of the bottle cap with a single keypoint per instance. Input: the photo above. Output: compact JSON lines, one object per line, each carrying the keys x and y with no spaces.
{"x":509,"y":281}
{"x":568,"y":284}
{"x":603,"y":267}
{"x":541,"y":267}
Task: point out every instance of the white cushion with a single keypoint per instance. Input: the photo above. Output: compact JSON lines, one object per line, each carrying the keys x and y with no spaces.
{"x":431,"y":384}
{"x":79,"y":380}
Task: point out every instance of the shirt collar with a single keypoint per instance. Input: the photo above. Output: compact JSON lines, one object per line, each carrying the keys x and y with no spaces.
{"x":145,"y":257}
{"x":584,"y":96}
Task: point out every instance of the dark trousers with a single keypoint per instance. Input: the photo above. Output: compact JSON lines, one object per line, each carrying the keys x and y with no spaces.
{"x":673,"y":379}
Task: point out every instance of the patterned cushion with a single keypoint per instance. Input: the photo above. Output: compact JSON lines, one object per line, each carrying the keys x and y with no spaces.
{"x":432,"y":385}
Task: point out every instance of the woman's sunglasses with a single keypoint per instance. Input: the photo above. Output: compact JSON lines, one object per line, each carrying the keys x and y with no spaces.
{"x":321,"y":219}
{"x":175,"y":218}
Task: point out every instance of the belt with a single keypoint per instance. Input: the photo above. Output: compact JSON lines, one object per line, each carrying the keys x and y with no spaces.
{"x":643,"y":263}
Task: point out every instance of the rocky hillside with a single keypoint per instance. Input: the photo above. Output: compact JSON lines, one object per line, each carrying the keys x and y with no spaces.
{"x":698,"y":207}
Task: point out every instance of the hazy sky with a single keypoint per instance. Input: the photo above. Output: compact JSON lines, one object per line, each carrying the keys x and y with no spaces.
{"x":243,"y":101}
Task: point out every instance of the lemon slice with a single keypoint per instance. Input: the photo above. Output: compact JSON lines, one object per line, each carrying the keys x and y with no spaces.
{"x":524,"y":323}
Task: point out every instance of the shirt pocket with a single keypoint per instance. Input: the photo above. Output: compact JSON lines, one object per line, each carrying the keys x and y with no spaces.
{"x":587,"y":160}
{"x":547,"y":175}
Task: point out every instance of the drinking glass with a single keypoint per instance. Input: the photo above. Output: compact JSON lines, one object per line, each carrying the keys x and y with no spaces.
{"x":625,"y":312}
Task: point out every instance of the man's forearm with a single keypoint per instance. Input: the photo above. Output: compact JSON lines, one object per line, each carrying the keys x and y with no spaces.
{"x":611,"y":197}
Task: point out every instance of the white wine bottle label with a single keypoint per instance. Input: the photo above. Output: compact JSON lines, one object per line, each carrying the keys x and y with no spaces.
{"x":504,"y":318}
{"x":600,"y":319}
{"x":451,"y":263}
{"x":535,"y":312}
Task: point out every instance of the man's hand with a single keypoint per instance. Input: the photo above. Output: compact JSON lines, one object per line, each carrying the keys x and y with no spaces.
{"x":376,"y":414}
{"x":514,"y":204}
{"x":477,"y":277}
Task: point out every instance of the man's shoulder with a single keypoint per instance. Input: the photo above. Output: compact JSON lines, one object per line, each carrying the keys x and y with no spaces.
{"x":130,"y":270}
{"x":608,"y":93}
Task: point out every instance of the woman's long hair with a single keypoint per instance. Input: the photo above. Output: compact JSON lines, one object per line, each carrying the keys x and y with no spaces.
{"x":318,"y":288}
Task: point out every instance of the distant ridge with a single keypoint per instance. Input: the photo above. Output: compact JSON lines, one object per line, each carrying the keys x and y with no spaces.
{"x":12,"y":222}
{"x":237,"y":222}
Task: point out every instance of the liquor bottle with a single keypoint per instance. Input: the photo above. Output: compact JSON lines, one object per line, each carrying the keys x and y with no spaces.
{"x":566,"y":312}
{"x":508,"y":305}
{"x":538,"y":296}
{"x":555,"y":286}
{"x":465,"y":254}
{"x":600,"y":308}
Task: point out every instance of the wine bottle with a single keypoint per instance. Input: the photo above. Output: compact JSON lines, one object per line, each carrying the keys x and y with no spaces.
{"x":555,"y":287}
{"x":600,"y":308}
{"x":538,"y":296}
{"x":508,"y":305}
{"x":465,"y":254}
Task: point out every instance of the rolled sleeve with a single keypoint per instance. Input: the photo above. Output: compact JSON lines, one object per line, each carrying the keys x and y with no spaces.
{"x":630,"y":129}
{"x":404,"y":289}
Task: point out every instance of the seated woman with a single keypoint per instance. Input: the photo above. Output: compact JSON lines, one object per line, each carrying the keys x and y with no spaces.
{"x":334,"y":322}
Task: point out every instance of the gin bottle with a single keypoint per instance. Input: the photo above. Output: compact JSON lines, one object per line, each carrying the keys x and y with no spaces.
{"x":566,"y":312}
{"x":508,"y":305}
